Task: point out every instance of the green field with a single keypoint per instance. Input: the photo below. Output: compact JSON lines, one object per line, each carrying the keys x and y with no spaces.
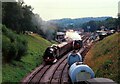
{"x":15,"y":71}
{"x":104,"y":57}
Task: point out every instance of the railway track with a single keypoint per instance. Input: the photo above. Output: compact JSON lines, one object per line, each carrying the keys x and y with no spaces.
{"x":47,"y":73}
{"x":53,"y":74}
{"x":57,"y":75}
{"x":36,"y":75}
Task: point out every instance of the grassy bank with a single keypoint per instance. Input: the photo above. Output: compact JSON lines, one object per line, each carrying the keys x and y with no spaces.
{"x":103,"y":57}
{"x":15,"y":71}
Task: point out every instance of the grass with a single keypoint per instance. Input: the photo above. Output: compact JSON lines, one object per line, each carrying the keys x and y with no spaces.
{"x":15,"y":71}
{"x":103,"y":57}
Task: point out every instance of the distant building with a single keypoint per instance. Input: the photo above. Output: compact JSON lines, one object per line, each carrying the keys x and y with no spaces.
{"x":81,"y":30}
{"x":103,"y":28}
{"x":60,"y":36}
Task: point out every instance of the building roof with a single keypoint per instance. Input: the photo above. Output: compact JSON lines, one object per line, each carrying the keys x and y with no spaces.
{"x":60,"y":33}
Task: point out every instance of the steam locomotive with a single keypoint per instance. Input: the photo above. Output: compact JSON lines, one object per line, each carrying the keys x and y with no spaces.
{"x":55,"y":52}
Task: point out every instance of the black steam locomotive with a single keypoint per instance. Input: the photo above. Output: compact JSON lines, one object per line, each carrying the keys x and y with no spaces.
{"x":54,"y":52}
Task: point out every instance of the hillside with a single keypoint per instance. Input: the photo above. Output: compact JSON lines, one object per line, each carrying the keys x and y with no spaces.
{"x":103,"y":57}
{"x":16,"y":70}
{"x":77,"y":23}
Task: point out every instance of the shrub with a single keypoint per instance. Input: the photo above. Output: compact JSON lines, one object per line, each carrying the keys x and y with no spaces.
{"x":5,"y":46}
{"x":12,"y":52}
{"x":11,"y":35}
{"x":14,"y":45}
{"x":22,"y":49}
{"x":107,"y":64}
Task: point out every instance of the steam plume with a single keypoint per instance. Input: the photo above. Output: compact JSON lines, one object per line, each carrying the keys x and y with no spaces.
{"x":44,"y":26}
{"x":72,"y":35}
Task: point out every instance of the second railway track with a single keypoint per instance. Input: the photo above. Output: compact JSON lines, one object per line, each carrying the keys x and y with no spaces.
{"x":57,"y":75}
{"x":38,"y":76}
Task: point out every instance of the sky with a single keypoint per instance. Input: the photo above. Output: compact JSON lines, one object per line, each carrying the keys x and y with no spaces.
{"x":58,"y":9}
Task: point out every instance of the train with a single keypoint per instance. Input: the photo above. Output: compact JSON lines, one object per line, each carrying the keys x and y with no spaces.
{"x":56,"y":51}
{"x":80,"y":73}
{"x":77,"y":70}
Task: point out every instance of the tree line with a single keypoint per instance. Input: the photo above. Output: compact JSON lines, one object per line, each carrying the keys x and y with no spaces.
{"x":88,"y":24}
{"x":20,"y":17}
{"x":109,"y":23}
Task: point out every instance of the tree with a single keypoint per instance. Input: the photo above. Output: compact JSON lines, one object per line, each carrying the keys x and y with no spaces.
{"x":110,"y":23}
{"x":17,"y":16}
{"x":92,"y":24}
{"x":118,"y":23}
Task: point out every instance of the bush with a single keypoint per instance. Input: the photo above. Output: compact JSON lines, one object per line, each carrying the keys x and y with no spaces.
{"x":10,"y":34}
{"x":12,"y":52}
{"x":107,"y":64}
{"x":22,"y":49}
{"x":14,"y":45}
{"x":5,"y":46}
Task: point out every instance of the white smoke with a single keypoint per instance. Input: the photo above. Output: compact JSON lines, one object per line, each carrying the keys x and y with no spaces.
{"x":44,"y":26}
{"x":72,"y":35}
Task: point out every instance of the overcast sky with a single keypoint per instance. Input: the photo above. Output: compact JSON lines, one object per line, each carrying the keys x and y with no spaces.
{"x":57,"y":9}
